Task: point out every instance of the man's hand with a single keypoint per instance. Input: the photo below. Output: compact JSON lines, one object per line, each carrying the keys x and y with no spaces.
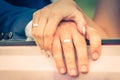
{"x":70,"y":49}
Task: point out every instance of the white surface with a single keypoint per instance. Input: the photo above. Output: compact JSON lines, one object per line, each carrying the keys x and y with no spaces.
{"x":28,"y":63}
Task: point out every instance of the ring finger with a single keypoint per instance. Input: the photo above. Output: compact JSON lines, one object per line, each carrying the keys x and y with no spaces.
{"x":68,"y":50}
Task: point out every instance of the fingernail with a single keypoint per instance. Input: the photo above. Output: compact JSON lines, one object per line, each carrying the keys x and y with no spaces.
{"x":62,"y":70}
{"x":95,"y":55}
{"x":83,"y":30}
{"x":73,"y":72}
{"x":84,"y":69}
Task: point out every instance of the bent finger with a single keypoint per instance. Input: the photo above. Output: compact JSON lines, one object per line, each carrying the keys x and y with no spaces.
{"x":52,"y":24}
{"x":40,"y":20}
{"x":80,"y":21}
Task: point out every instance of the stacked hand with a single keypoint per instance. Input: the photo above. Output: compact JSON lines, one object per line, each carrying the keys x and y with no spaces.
{"x":70,"y":48}
{"x":49,"y":17}
{"x":62,"y":29}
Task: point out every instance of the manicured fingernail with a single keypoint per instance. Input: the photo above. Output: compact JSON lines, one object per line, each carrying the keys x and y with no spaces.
{"x":84,"y":69}
{"x":62,"y":70}
{"x":95,"y":55}
{"x":73,"y":72}
{"x":83,"y":30}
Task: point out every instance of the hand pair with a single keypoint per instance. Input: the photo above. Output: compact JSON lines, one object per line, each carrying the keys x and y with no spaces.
{"x":66,"y":40}
{"x":72,"y":55}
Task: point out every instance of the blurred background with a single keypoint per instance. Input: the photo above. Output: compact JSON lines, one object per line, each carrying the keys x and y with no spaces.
{"x":88,"y":6}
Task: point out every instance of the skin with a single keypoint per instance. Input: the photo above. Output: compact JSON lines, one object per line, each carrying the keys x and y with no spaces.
{"x":58,"y":25}
{"x":47,"y":23}
{"x":76,"y":48}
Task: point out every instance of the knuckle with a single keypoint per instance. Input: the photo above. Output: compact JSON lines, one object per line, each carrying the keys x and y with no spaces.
{"x":48,"y":35}
{"x":37,"y":34}
{"x":36,"y":13}
{"x":43,"y":11}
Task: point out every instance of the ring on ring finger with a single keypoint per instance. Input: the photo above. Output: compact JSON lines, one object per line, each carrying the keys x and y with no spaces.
{"x":67,"y":40}
{"x":35,"y":25}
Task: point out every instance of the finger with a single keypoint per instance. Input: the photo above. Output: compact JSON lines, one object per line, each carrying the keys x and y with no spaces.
{"x":81,"y":50}
{"x":57,"y":54}
{"x":34,"y":30}
{"x":80,"y":21}
{"x":40,"y":18}
{"x":68,"y":50}
{"x":50,"y":29}
{"x":95,"y":43}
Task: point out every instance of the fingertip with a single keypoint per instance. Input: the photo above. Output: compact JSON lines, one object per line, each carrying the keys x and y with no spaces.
{"x":95,"y":56}
{"x":84,"y":69}
{"x":62,"y":70}
{"x":73,"y":72}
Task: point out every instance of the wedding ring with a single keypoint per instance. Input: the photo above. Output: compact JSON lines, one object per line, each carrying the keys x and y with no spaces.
{"x":67,"y":40}
{"x":35,"y":25}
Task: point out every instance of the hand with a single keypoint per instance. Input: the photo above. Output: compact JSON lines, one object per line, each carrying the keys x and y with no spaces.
{"x":70,"y":49}
{"x":49,"y":17}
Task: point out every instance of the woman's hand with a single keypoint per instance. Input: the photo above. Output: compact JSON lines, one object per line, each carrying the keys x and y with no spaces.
{"x":70,"y":49}
{"x":48,"y":18}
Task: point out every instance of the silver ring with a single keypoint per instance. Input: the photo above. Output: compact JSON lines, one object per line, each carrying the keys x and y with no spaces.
{"x":67,"y":40}
{"x":35,"y":25}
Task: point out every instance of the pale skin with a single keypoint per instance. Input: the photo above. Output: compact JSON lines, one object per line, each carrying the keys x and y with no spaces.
{"x":51,"y":32}
{"x":49,"y":17}
{"x":77,"y":47}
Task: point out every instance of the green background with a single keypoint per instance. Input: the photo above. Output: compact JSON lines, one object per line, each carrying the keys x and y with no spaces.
{"x":88,"y":6}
